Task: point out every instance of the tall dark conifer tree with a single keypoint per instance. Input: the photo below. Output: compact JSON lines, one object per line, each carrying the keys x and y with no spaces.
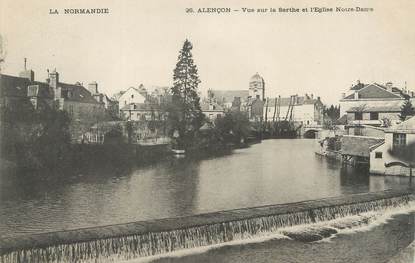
{"x":185,"y":115}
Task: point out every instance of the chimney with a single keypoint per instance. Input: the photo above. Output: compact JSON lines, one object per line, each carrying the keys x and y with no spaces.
{"x":53,"y":83}
{"x":53,"y":79}
{"x":93,"y":88}
{"x":343,"y":95}
{"x":312,"y":96}
{"x":356,"y":95}
{"x":389,"y":86}
{"x":28,"y":74}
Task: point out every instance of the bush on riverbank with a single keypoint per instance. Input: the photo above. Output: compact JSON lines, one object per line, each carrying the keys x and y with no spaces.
{"x":224,"y":133}
{"x":34,"y":138}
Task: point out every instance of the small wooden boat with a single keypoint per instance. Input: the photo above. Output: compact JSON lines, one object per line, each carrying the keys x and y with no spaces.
{"x":178,"y":151}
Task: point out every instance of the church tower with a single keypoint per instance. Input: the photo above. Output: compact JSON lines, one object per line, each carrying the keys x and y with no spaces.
{"x":257,"y":87}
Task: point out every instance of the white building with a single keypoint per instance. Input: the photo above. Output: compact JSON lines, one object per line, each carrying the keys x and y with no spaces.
{"x":305,"y":109}
{"x":373,"y":103}
{"x":212,"y":110}
{"x":131,"y":95}
{"x":141,"y":112}
{"x":381,"y":157}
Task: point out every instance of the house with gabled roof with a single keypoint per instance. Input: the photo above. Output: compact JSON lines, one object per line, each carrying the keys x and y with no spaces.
{"x":372,"y":104}
{"x":130,"y":96}
{"x":382,"y":159}
{"x":212,"y":110}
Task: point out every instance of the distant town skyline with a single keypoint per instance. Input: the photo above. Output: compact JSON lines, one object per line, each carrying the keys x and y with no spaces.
{"x":139,"y":42}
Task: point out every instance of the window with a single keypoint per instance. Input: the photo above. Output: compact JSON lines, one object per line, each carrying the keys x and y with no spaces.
{"x":358,"y":116}
{"x":378,"y":155}
{"x":374,"y":116}
{"x":399,"y":139}
{"x":132,"y":96}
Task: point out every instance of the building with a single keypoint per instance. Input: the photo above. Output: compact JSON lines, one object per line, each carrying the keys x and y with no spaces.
{"x":131,"y":96}
{"x":305,"y":109}
{"x":257,"y":87}
{"x":382,"y":159}
{"x":141,"y":112}
{"x":255,"y":109}
{"x":212,"y":110}
{"x":111,"y":105}
{"x":226,"y":98}
{"x":229,"y":98}
{"x":373,"y":104}
{"x":75,"y":99}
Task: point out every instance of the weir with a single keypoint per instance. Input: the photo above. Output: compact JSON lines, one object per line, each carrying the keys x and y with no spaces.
{"x":153,"y":237}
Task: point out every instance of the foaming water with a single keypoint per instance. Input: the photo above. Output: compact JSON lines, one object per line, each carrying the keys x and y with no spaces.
{"x":315,"y":232}
{"x":310,"y":225}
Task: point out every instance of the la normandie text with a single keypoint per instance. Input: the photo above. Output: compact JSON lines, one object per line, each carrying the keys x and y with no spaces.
{"x":80,"y":11}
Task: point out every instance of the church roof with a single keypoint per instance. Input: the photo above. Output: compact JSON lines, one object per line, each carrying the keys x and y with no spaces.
{"x":224,"y":96}
{"x":256,"y":77}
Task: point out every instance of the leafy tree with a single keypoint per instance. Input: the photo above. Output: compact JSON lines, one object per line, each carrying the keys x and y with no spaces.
{"x":184,"y":114}
{"x":406,"y":110}
{"x":233,"y":127}
{"x":34,"y":138}
{"x":114,"y":135}
{"x":332,"y":112}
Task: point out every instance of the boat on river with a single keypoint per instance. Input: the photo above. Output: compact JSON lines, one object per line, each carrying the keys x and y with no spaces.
{"x":178,"y":151}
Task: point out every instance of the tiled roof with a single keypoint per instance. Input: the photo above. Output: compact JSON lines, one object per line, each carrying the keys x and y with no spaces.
{"x":11,"y":86}
{"x":358,"y":145}
{"x":387,"y":106}
{"x":342,"y":120}
{"x":375,"y":91}
{"x":229,"y":95}
{"x":358,"y":86}
{"x":407,"y":126}
{"x":78,"y":93}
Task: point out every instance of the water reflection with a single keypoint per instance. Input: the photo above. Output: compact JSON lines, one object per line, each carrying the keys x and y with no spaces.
{"x":275,"y":171}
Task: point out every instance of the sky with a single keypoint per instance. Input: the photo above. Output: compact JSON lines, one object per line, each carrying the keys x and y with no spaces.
{"x":139,"y":41}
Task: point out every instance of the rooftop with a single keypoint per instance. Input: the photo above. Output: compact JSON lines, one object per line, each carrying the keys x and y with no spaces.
{"x":407,"y":126}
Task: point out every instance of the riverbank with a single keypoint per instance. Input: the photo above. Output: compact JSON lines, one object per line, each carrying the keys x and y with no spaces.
{"x":145,"y":238}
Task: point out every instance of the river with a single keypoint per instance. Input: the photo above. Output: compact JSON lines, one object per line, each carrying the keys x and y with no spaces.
{"x":271,"y":172}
